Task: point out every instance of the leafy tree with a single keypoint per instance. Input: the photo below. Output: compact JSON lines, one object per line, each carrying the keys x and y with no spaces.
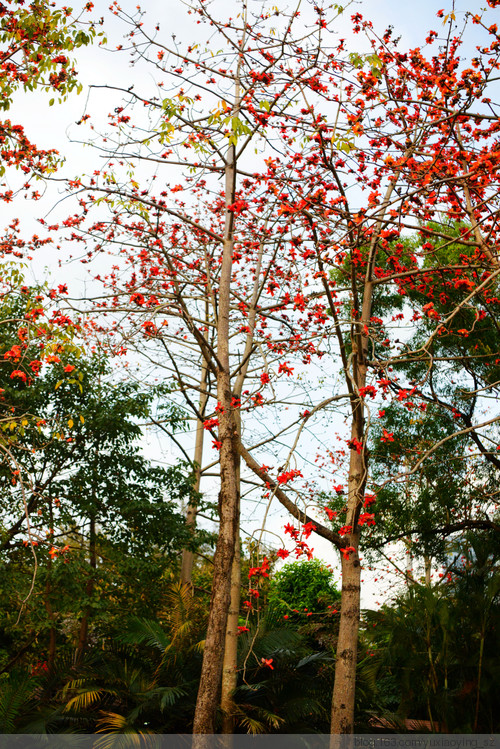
{"x":449,"y":492}
{"x":101,"y":516}
{"x":285,"y":678}
{"x":36,"y":41}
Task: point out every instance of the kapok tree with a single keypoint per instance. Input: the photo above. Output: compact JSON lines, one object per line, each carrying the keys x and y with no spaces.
{"x":328,"y":255}
{"x":423,"y":153}
{"x":201,"y":269}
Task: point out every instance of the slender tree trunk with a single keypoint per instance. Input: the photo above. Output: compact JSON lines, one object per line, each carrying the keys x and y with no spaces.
{"x":342,"y":720}
{"x":50,"y":613}
{"x":427,"y":563}
{"x":187,"y":555}
{"x":211,"y":671}
{"x":479,"y":674}
{"x":48,"y":603}
{"x":409,"y":561}
{"x":347,"y":648}
{"x":356,"y":367}
{"x":89,"y":589}
{"x":230,"y":666}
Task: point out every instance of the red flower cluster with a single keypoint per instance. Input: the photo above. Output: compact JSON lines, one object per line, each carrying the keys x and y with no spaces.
{"x":262,"y":571}
{"x":284,"y":478}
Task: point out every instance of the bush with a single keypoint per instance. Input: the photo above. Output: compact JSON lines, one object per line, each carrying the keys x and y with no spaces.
{"x":303,"y":588}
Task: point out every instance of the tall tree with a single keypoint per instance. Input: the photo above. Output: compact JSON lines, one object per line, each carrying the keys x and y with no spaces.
{"x":201,"y":276}
{"x":294,"y":256}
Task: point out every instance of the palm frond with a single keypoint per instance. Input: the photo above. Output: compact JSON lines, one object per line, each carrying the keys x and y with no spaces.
{"x":271,"y":719}
{"x":140,"y":631}
{"x":313,"y":658}
{"x":115,"y":723}
{"x":251,"y":725}
{"x":268,"y":643}
{"x":300,"y":707}
{"x":170,"y":695}
{"x":14,"y":694}
{"x":87,"y":697}
{"x":179,"y":600}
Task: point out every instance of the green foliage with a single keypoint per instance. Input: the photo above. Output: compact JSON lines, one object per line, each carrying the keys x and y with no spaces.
{"x":146,"y":679}
{"x":424,"y":487}
{"x":85,"y":462}
{"x":432,"y":654}
{"x":14,"y":694}
{"x":36,"y":37}
{"x":103,"y":518}
{"x":302,"y":588}
{"x":435,"y":495}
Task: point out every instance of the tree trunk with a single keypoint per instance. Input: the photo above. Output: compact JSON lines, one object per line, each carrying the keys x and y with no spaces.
{"x":89,"y":589}
{"x":211,"y":670}
{"x":230,"y":666}
{"x":347,"y":648}
{"x":409,"y":561}
{"x":48,"y":603}
{"x":187,"y":555}
{"x":50,"y":613}
{"x":427,"y":563}
{"x":342,"y":721}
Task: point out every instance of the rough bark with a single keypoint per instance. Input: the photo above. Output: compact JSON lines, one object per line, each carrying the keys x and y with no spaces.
{"x":230,"y":666}
{"x":342,"y":720}
{"x":347,"y":648}
{"x":211,"y":672}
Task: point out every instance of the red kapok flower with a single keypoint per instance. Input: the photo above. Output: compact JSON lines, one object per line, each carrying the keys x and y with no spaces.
{"x":19,"y":374}
{"x":282,"y":553}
